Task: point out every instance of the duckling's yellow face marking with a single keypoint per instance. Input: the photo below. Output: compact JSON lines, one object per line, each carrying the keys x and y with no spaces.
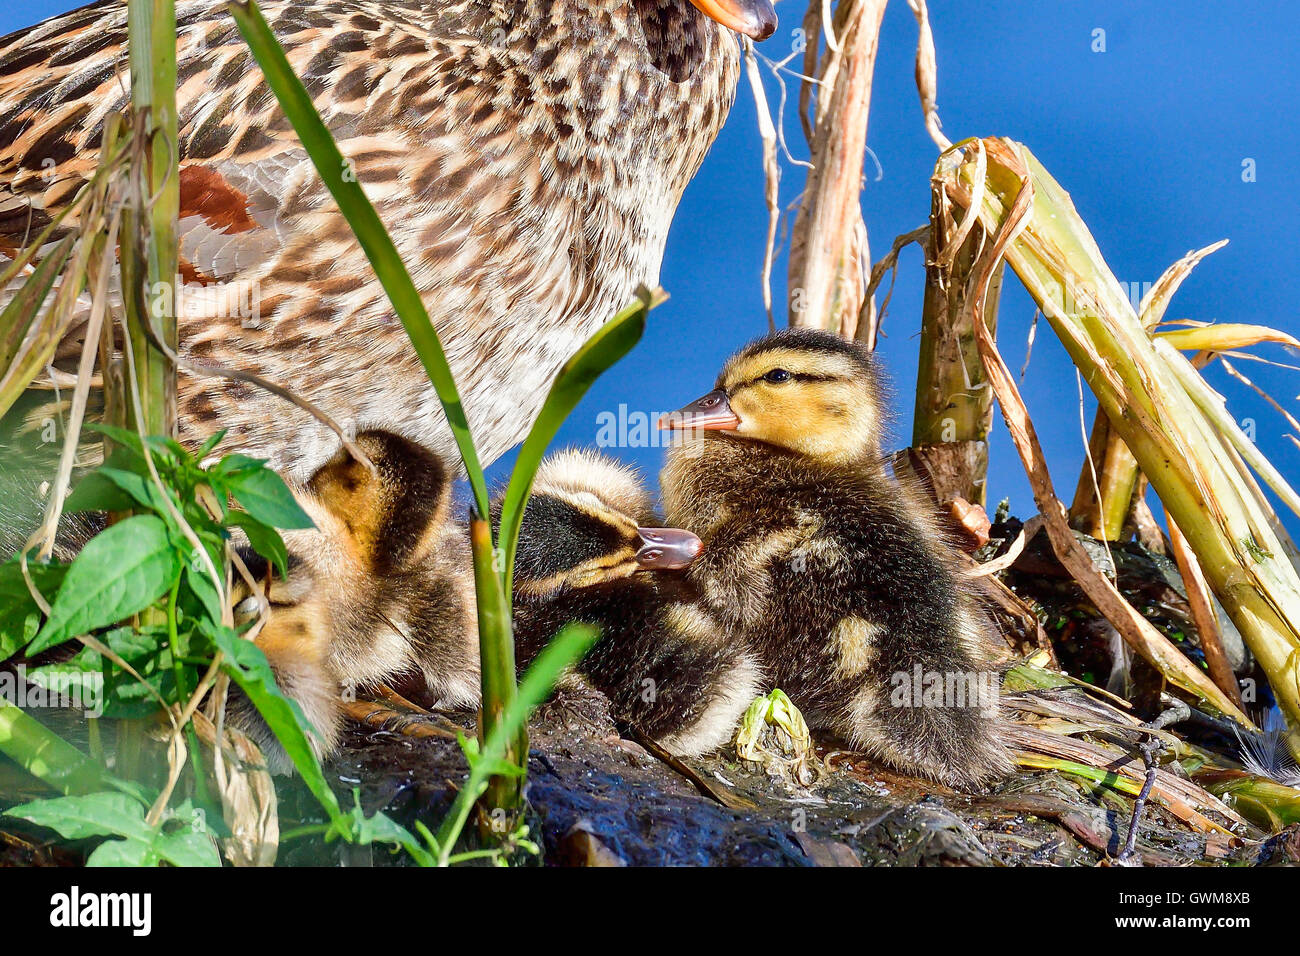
{"x":815,"y":403}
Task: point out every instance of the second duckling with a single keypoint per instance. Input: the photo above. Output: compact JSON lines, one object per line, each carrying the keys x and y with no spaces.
{"x":585,"y":555}
{"x":830,"y":569}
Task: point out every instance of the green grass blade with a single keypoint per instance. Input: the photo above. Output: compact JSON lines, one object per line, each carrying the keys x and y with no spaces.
{"x":366,"y":225}
{"x":47,"y":756}
{"x":567,"y":647}
{"x":610,"y":343}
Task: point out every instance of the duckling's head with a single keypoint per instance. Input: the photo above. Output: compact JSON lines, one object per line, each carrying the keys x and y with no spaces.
{"x":803,"y":390}
{"x":584,"y":525}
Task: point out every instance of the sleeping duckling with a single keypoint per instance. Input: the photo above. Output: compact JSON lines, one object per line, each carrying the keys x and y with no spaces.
{"x":666,"y":666}
{"x":829,"y":568}
{"x":381,"y":587}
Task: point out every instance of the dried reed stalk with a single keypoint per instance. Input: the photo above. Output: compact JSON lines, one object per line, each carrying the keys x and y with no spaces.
{"x":830,"y":260}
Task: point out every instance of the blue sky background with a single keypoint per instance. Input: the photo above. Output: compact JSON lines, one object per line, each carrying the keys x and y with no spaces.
{"x":1149,"y":138}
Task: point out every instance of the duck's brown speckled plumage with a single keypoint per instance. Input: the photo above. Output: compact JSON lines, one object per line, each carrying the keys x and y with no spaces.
{"x":527,"y":156}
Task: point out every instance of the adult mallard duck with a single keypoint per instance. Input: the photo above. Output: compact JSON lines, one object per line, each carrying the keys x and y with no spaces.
{"x":527,"y":156}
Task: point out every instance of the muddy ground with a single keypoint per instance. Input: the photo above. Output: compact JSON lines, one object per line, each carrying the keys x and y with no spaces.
{"x":598,"y":799}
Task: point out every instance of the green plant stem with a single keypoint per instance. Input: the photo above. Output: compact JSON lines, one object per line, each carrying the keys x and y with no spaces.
{"x":183,"y":694}
{"x":497,"y":663}
{"x":47,"y":756}
{"x":156,"y":204}
{"x":569,"y":645}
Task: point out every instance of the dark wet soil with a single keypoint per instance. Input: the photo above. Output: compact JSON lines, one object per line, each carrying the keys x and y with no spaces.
{"x":597,"y":799}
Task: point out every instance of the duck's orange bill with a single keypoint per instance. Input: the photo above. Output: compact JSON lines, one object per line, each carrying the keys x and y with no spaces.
{"x":712,"y":412}
{"x":754,"y":18}
{"x":667,"y":549}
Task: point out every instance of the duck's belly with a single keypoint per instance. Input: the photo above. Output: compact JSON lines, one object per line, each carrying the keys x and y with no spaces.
{"x":354,"y":362}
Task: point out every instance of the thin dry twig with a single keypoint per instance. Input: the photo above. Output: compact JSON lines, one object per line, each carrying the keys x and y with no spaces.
{"x":927,"y":74}
{"x":771,"y":173}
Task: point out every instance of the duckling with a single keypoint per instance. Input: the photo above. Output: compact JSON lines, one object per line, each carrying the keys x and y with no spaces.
{"x":825,"y":565}
{"x":380,"y":588}
{"x":666,"y":665}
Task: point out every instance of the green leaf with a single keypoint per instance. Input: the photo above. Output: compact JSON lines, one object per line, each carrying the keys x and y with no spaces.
{"x":20,"y":617}
{"x":265,"y":540}
{"x":211,"y":442}
{"x":262,"y":493}
{"x":600,"y":352}
{"x":137,"y":488}
{"x":249,"y":668}
{"x":96,"y":814}
{"x":121,"y":436}
{"x":96,"y":492}
{"x":121,"y":571}
{"x":115,"y":814}
{"x":201,"y":586}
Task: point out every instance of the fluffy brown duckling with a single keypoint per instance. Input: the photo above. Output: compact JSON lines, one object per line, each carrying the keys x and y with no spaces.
{"x":667,"y":666}
{"x":380,"y":588}
{"x":828,"y":567}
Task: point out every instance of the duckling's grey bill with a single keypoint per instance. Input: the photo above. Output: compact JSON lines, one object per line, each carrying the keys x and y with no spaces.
{"x":754,"y":18}
{"x":667,"y":549}
{"x":712,"y":412}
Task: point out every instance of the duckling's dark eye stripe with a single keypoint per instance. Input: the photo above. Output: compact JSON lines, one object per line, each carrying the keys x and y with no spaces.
{"x":794,"y":377}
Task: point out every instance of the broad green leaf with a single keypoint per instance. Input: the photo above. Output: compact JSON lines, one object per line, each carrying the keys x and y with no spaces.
{"x":265,"y":540}
{"x":115,"y":814}
{"x":20,"y":618}
{"x":96,"y":492}
{"x":263,"y":494}
{"x":121,"y":571}
{"x":120,"y":436}
{"x":249,"y":668}
{"x":95,"y":814}
{"x":139,"y":489}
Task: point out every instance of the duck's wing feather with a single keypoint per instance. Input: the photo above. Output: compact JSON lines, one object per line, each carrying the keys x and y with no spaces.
{"x":244,"y":175}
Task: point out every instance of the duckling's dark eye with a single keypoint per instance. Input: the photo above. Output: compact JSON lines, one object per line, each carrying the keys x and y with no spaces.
{"x":777,"y":376}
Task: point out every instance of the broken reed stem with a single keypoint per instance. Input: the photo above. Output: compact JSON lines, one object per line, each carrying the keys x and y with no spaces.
{"x":1118,"y":472}
{"x":953,"y":414}
{"x":1117,"y":480}
{"x":1200,"y":478}
{"x":1136,"y":630}
{"x":1203,"y":615}
{"x":150,"y":260}
{"x":829,"y":255}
